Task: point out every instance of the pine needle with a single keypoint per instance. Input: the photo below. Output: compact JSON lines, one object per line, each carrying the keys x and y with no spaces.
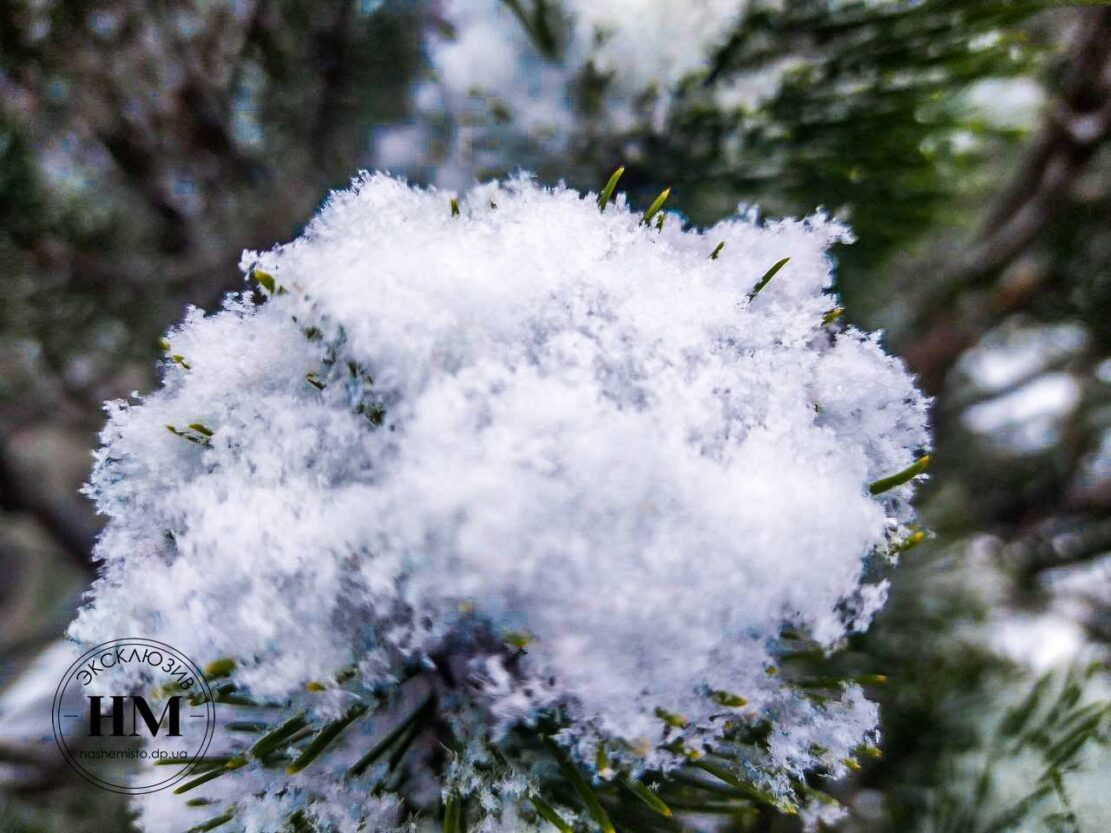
{"x":194,"y":436}
{"x":610,"y":186}
{"x":277,"y":737}
{"x":213,"y":823}
{"x":391,"y":737}
{"x":201,"y":764}
{"x":582,"y":786}
{"x":648,"y":796}
{"x":324,"y":738}
{"x":251,"y":726}
{"x":771,"y":273}
{"x":547,"y":812}
{"x":656,"y":205}
{"x":908,"y":543}
{"x":728,"y":699}
{"x":452,"y":814}
{"x":210,"y":775}
{"x":265,"y":280}
{"x":299,"y":823}
{"x":219,"y":668}
{"x":885,"y":484}
{"x":671,"y":719}
{"x":1015,"y":720}
{"x":748,"y":790}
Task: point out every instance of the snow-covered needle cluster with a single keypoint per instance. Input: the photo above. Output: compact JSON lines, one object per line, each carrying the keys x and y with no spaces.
{"x":559,"y":468}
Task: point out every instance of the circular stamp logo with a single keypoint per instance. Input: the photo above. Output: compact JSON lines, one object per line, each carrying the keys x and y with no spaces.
{"x":104,"y":728}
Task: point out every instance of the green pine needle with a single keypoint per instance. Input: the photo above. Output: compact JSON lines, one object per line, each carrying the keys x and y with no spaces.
{"x":210,"y":775}
{"x":219,"y":668}
{"x":771,"y":273}
{"x":870,"y":679}
{"x":402,"y":747}
{"x":539,"y":25}
{"x":213,"y":823}
{"x":228,"y":697}
{"x":299,"y":823}
{"x":832,"y":316}
{"x":201,"y":764}
{"x":581,"y":785}
{"x":279,"y":736}
{"x":266,"y":281}
{"x":324,"y":738}
{"x":885,"y":484}
{"x":746,"y":789}
{"x":656,"y":205}
{"x":517,"y":639}
{"x":611,"y":185}
{"x":1061,"y":753}
{"x":1016,"y":719}
{"x":252,"y":727}
{"x":453,"y":811}
{"x":908,"y":543}
{"x":224,"y":694}
{"x":671,"y":719}
{"x":728,"y":698}
{"x":193,"y":436}
{"x":547,"y":812}
{"x":648,"y":796}
{"x":454,"y":207}
{"x":391,"y":737}
{"x":717,"y":250}
{"x":601,"y":758}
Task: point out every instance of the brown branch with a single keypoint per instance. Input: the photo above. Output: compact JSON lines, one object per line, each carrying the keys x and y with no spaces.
{"x":981,"y":395}
{"x":1078,"y":125}
{"x":204,"y":97}
{"x":24,"y":491}
{"x":333,"y":64}
{"x":1055,"y":549}
{"x":1079,"y":90}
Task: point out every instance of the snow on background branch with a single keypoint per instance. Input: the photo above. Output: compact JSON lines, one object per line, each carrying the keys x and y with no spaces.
{"x":520,"y":82}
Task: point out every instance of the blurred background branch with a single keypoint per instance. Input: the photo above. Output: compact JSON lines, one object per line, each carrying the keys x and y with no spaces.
{"x":21,"y":491}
